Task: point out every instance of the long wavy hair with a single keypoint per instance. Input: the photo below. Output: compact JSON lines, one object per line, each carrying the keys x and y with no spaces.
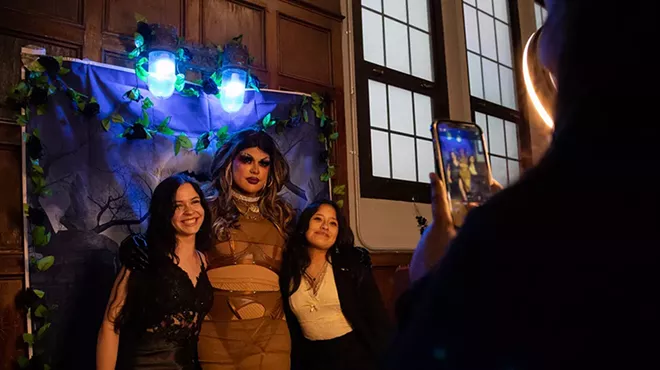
{"x":296,"y":256}
{"x":161,"y":241}
{"x":272,"y":207}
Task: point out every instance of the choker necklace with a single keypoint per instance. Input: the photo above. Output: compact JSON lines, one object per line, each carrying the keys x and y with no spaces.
{"x":251,"y":203}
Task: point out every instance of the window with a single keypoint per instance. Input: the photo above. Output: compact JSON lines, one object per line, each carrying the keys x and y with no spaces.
{"x":400,"y":88}
{"x":540,"y":14}
{"x":491,"y":28}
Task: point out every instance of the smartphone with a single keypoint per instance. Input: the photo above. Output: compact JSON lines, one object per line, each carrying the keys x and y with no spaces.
{"x":462,"y":163}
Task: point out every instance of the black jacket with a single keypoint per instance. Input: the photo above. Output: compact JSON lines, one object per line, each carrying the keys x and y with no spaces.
{"x":360,"y":300}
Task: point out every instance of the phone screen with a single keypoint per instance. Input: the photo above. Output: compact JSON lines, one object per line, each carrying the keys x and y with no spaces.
{"x":464,"y":164}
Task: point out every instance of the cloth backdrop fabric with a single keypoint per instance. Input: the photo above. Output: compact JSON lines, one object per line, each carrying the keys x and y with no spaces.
{"x":102,"y":184}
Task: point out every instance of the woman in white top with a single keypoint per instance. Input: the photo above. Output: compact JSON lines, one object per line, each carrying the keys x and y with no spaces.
{"x":333,"y":307}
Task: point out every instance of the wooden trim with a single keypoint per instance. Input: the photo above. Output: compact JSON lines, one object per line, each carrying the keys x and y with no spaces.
{"x":62,"y":33}
{"x":316,"y":9}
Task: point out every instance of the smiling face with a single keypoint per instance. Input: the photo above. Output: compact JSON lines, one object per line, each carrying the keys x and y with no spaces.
{"x":323,"y":228}
{"x":188,"y":211}
{"x":250,"y":169}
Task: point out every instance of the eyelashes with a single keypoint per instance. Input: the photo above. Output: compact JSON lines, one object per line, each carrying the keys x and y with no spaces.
{"x":247,"y":159}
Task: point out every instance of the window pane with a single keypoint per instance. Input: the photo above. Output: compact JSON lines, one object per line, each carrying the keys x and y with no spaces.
{"x":491,"y":81}
{"x":372,"y":37}
{"x":418,"y":13}
{"x":471,"y":2}
{"x":511,"y":139}
{"x":487,"y":36}
{"x":496,"y":145}
{"x":514,"y":171}
{"x":537,"y":15}
{"x":498,"y":167}
{"x":508,"y":93}
{"x":485,"y":5}
{"x":423,"y":115}
{"x":474,"y":71}
{"x":501,"y":11}
{"x":480,"y":120}
{"x":396,"y":9}
{"x":396,"y":46}
{"x":425,"y":160}
{"x":503,"y":43}
{"x":403,"y":158}
{"x":380,"y":154}
{"x":420,"y":49}
{"x":401,"y":110}
{"x":471,"y":28}
{"x":377,"y":104}
{"x":373,"y":4}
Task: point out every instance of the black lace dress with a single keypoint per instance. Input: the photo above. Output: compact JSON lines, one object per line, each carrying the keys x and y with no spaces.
{"x":165,"y":313}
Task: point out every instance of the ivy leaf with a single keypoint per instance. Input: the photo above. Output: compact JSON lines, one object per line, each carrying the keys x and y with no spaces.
{"x":324,"y":118}
{"x":135,"y":53}
{"x":190,"y":92}
{"x":182,"y":141}
{"x":117,"y":118}
{"x":59,"y":60}
{"x":180,"y":82}
{"x":339,"y":190}
{"x":23,"y":362}
{"x":334,"y":136}
{"x":140,"y":18}
{"x":36,"y":67}
{"x":39,"y":236}
{"x":138,"y":39}
{"x":26,"y":209}
{"x":321,"y":138}
{"x":45,"y":263}
{"x":163,"y":127}
{"x":21,"y":119}
{"x":106,"y":124}
{"x":147,"y":103}
{"x":203,"y":142}
{"x":140,"y":72}
{"x":305,"y":116}
{"x":36,"y":168}
{"x":39,"y":293}
{"x":340,"y":203}
{"x":64,"y":71}
{"x":41,"y":109}
{"x":266,"y":121}
{"x":317,"y":110}
{"x":41,"y":311}
{"x":144,"y":121}
{"x":238,"y":39}
{"x":330,"y":173}
{"x":42,"y":331}
{"x":316,"y":98}
{"x":134,"y":94}
{"x":222,"y":135}
{"x":28,"y":338}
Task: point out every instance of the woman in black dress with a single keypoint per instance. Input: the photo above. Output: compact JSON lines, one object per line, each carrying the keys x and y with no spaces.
{"x":333,"y":307}
{"x":154,"y":316}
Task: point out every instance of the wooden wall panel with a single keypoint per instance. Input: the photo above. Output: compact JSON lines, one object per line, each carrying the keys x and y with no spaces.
{"x":10,"y":63}
{"x":67,"y":10}
{"x":304,"y":51}
{"x":11,"y":323}
{"x":119,"y":15}
{"x":224,"y":19}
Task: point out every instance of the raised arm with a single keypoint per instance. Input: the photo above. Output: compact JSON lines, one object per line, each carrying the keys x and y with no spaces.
{"x":107,"y":344}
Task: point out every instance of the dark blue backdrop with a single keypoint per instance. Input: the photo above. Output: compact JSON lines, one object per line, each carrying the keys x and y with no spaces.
{"x":102,"y":184}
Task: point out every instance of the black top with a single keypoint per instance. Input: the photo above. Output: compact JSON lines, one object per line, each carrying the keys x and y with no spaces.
{"x":360,"y":302}
{"x":165,"y":316}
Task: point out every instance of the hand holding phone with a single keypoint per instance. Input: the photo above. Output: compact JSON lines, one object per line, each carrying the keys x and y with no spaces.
{"x":462,"y":163}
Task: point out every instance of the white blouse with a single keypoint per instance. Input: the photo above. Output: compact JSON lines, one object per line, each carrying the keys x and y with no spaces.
{"x":320,"y":316}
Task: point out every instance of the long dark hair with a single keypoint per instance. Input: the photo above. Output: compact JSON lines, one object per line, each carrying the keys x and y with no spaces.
{"x":161,"y":241}
{"x":272,"y":206}
{"x":296,"y":256}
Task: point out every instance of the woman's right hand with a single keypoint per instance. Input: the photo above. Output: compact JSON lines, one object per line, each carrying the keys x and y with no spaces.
{"x":133,"y":252}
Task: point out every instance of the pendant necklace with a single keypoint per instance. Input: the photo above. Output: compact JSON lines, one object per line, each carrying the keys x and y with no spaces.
{"x":250,"y":203}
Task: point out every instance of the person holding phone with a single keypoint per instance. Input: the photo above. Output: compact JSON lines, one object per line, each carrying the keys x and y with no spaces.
{"x":560,"y":270}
